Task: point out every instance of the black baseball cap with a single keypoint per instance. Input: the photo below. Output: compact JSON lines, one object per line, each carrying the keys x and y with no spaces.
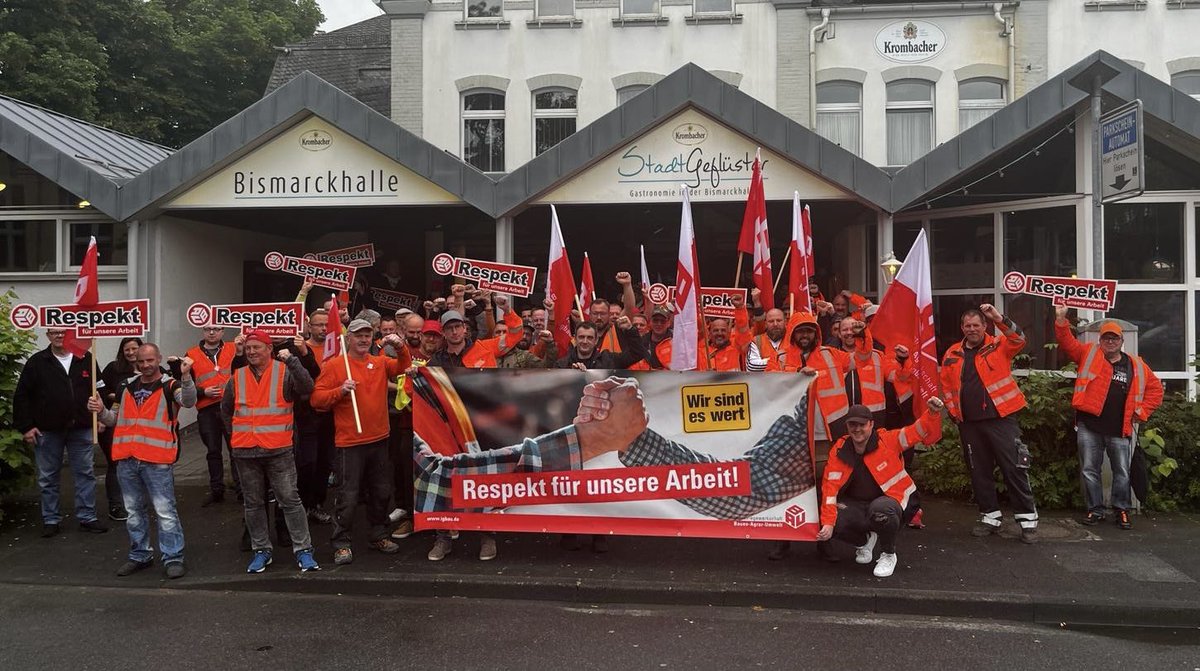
{"x":860,"y":413}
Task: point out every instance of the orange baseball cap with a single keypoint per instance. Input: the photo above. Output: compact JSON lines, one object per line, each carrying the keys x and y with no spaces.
{"x":1110,"y":327}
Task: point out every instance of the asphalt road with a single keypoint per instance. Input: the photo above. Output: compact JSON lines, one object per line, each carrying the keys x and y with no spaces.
{"x":45,"y":627}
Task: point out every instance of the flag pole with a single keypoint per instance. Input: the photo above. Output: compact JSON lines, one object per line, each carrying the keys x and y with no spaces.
{"x":95,"y":417}
{"x":353,"y":396}
{"x":737,"y":276}
{"x":782,"y":266}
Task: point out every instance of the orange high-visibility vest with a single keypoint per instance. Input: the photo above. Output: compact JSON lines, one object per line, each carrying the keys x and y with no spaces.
{"x":147,"y":431}
{"x":728,"y":358}
{"x":767,"y":352}
{"x":609,"y":341}
{"x":829,"y":386}
{"x":994,"y":364}
{"x":885,"y":462}
{"x":1095,"y":378}
{"x":208,"y":374}
{"x":261,"y":415}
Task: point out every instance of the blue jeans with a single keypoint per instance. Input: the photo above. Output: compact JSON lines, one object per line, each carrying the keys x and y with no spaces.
{"x":140,"y":481}
{"x":48,"y":453}
{"x":1092,"y":447}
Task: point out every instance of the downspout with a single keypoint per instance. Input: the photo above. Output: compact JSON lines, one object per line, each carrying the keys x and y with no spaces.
{"x":812,"y":68}
{"x":132,"y":259}
{"x":1009,"y":29}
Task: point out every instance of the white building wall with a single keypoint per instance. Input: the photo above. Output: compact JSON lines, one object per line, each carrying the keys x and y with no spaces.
{"x":1147,"y":38}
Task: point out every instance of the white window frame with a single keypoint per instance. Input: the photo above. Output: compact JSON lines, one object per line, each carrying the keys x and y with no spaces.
{"x":908,"y":105}
{"x":656,"y":12}
{"x":842,"y":108}
{"x":60,"y":220}
{"x":537,"y":12}
{"x":1195,"y":73}
{"x":720,"y":12}
{"x":467,"y":115}
{"x":993,"y":104}
{"x":482,"y":19}
{"x":572,"y":113}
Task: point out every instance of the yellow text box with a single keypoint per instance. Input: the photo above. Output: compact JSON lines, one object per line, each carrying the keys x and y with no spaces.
{"x":715,"y":407}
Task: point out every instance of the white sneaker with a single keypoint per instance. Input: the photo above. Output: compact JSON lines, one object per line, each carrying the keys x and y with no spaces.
{"x":863,"y":554}
{"x":886,"y":564}
{"x":396,"y":515}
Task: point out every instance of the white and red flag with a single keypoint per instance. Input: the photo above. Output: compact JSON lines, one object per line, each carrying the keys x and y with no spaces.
{"x":800,"y":265}
{"x":686,"y":336}
{"x":560,"y":284}
{"x":587,"y":287}
{"x":87,"y":292}
{"x":755,"y":239}
{"x":333,"y":336}
{"x":645,"y":272}
{"x":905,"y":317}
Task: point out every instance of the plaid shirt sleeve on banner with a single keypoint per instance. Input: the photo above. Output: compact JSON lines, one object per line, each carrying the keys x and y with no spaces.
{"x":554,"y":451}
{"x":780,"y":467}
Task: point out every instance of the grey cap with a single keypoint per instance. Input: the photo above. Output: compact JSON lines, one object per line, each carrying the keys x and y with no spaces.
{"x":403,"y":311}
{"x":358,"y":325}
{"x":451,"y":316}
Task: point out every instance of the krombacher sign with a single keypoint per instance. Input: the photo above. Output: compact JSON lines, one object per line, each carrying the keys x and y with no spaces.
{"x":910,"y":41}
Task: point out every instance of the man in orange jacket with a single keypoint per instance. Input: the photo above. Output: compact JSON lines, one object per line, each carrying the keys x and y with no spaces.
{"x":361,"y":457}
{"x":866,"y":493}
{"x":214,"y":363}
{"x":983,"y":398}
{"x":1112,"y":390}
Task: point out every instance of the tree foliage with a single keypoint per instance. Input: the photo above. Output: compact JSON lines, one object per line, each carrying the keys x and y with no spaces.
{"x":16,"y":458}
{"x":163,"y":70}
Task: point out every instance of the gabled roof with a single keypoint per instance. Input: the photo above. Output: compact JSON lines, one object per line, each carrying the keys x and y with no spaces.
{"x":356,"y":59}
{"x":83,"y":158}
{"x":1034,"y":111}
{"x":305,"y":94}
{"x":692,"y":86}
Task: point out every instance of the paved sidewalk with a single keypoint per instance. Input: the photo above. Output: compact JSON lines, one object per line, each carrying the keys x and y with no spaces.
{"x":1077,"y":575}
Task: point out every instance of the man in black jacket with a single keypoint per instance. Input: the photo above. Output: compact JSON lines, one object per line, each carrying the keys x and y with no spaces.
{"x":50,"y":409}
{"x":586,"y":354}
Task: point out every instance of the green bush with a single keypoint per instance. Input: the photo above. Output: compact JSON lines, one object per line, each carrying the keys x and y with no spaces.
{"x":16,"y":458}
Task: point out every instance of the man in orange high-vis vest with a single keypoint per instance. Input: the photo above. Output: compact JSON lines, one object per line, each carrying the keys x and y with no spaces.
{"x":768,"y":348}
{"x":866,"y":493}
{"x":983,"y":398}
{"x":721,"y":353}
{"x":1113,"y":390}
{"x":145,"y":448}
{"x":258,"y":412}
{"x":213,"y":363}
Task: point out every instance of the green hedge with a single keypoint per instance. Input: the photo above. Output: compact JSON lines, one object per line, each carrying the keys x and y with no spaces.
{"x":16,"y":458}
{"x":1171,"y":440}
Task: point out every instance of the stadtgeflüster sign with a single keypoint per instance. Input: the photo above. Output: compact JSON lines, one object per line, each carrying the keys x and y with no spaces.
{"x":910,"y":41}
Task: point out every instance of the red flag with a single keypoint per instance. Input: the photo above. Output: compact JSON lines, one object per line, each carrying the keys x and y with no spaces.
{"x":587,"y":287}
{"x":800,"y":263}
{"x":905,"y":317}
{"x":87,"y":292}
{"x":333,"y":336}
{"x":560,"y":284}
{"x":754,"y":223}
{"x":685,"y":353}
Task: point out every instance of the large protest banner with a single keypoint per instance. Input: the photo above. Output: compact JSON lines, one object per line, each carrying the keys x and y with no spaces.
{"x":720,"y":455}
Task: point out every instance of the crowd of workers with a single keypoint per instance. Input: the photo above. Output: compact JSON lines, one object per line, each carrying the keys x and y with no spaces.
{"x":294,"y":423}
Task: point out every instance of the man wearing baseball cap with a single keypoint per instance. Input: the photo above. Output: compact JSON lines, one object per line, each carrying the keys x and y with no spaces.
{"x":866,"y":493}
{"x":358,"y":401}
{"x":258,"y":412}
{"x":1113,"y":391}
{"x":462,"y":352}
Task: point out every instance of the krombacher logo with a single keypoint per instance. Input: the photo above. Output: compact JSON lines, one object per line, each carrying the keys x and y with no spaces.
{"x":315,"y":140}
{"x":690,"y":134}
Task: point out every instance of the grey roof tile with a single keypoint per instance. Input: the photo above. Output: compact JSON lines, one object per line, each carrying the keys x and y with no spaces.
{"x":355,"y":59}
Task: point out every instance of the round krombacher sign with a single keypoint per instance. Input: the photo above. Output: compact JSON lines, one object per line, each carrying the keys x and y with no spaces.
{"x":910,"y":41}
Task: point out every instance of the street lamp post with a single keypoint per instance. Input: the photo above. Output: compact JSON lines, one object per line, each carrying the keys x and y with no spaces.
{"x":891,"y":266}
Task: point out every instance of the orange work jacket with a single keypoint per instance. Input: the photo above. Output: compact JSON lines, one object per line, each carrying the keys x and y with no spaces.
{"x":261,"y":415}
{"x":1095,"y":376}
{"x":994,"y":364}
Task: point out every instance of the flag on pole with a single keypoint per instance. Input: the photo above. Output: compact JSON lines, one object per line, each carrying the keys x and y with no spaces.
{"x":87,"y":292}
{"x":333,"y":336}
{"x":800,"y":260}
{"x":905,"y":317}
{"x":560,"y":284}
{"x":756,"y":240}
{"x":686,"y":336}
{"x":645,"y":272}
{"x":587,"y":287}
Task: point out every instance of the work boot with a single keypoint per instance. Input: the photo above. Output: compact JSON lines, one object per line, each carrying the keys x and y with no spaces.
{"x":779,"y":550}
{"x":983,"y":530}
{"x":1029,"y":536}
{"x":1123,"y":520}
{"x":441,"y":548}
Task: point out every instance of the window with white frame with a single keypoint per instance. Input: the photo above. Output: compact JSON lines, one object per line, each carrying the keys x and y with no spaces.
{"x":978,"y":99}
{"x":555,"y":112}
{"x":54,"y":243}
{"x":1188,"y":82}
{"x":909,"y":120}
{"x":639,"y":8}
{"x":839,"y":114}
{"x":483,"y":9}
{"x":712,"y":7}
{"x":626,"y":93}
{"x":555,"y":9}
{"x":483,"y":130}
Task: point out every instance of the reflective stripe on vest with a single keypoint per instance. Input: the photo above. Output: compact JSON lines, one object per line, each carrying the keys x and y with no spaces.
{"x":259,"y":422}
{"x":145,"y":432}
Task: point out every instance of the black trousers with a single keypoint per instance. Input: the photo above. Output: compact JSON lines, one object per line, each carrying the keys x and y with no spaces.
{"x":318,"y":479}
{"x":400,"y":445}
{"x":860,"y":517}
{"x":216,"y":440}
{"x":368,"y":468}
{"x":990,"y":443}
{"x":306,"y":452}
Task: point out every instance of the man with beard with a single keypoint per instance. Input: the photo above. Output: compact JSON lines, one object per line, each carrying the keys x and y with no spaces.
{"x":723,"y":355}
{"x":767,"y":349}
{"x":522,"y":356}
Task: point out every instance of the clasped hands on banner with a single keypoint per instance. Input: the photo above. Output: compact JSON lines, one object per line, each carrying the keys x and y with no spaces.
{"x":612,"y":414}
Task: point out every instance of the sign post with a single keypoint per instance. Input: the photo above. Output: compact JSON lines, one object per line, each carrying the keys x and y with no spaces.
{"x":1122,"y":163}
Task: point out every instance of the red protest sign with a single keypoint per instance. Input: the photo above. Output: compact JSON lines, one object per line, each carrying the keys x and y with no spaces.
{"x":359,"y":256}
{"x":109,"y":319}
{"x":394,"y":300}
{"x":719,"y":301}
{"x":324,"y":274}
{"x":276,"y":319}
{"x":505,"y":278}
{"x":1071,"y":292}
